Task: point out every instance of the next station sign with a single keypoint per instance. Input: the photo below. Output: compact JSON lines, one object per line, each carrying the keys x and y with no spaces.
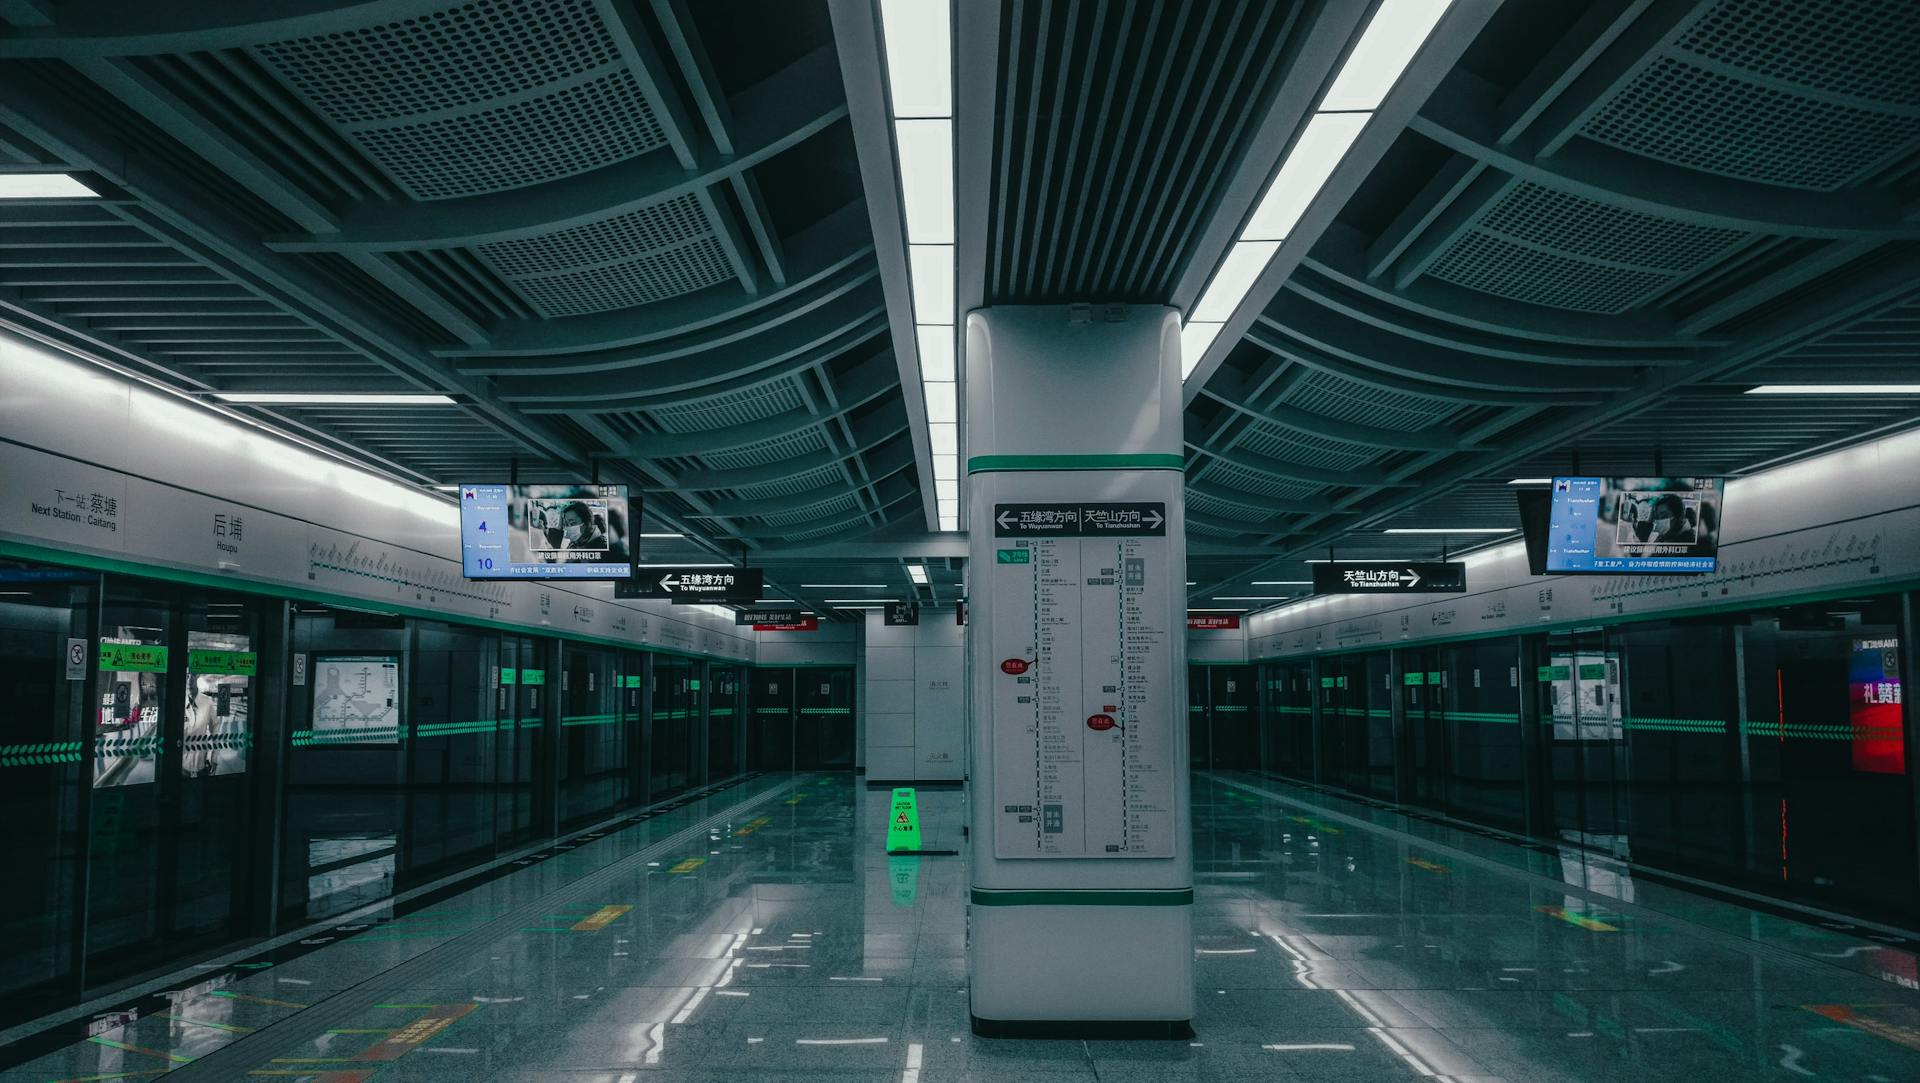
{"x":693,"y":586}
{"x":1390,"y":577}
{"x":1080,"y":520}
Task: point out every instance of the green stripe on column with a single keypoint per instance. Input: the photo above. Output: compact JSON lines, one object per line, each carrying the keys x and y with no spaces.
{"x":985,"y":463}
{"x":1182,"y":896}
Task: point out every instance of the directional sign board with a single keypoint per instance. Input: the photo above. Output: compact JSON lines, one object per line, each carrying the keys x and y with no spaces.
{"x":760,"y":614}
{"x":694,"y":586}
{"x":902,"y":614}
{"x":1390,"y":577}
{"x":1080,"y":520}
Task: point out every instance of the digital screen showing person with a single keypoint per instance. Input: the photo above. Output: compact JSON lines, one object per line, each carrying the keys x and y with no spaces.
{"x":1659,"y":525}
{"x":546,"y":532}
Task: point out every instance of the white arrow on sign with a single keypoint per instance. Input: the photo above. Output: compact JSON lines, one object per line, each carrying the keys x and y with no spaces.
{"x":1410,"y":577}
{"x":1156,"y":520}
{"x":669,"y":582}
{"x":1002,"y":519}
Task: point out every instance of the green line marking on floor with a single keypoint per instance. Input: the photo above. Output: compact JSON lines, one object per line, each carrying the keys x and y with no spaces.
{"x":209,"y":1023}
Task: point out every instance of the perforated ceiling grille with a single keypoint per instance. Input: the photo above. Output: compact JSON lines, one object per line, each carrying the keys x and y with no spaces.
{"x":1490,"y":264}
{"x":444,"y":60}
{"x":1597,"y":231}
{"x":725,"y":410}
{"x":691,"y":266}
{"x":835,"y":509}
{"x":1257,"y":484}
{"x":571,"y":130}
{"x":661,"y":225}
{"x":1863,"y":49}
{"x":767,"y":451}
{"x":1298,"y":447}
{"x":1249,"y":513}
{"x":1680,"y":113}
{"x":797,"y":483}
{"x":1344,"y":400}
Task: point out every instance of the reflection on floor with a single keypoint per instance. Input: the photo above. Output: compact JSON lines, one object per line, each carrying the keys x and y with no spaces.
{"x":762,"y":933}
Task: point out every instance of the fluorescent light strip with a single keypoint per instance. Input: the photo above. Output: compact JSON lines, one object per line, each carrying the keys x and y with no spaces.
{"x":1251,"y":597}
{"x":1450,"y":530}
{"x":1389,"y":43}
{"x":329,"y":398}
{"x":1835,"y":389}
{"x":843,"y":586}
{"x":917,"y":573}
{"x":1531,"y":481}
{"x":43,"y":186}
{"x":876,"y":601}
{"x":646,"y":535}
{"x":1283,"y":582}
{"x":683,"y":565}
{"x":918,"y":38}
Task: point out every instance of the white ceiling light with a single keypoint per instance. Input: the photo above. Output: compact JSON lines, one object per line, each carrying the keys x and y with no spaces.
{"x":329,"y":398}
{"x":43,"y":186}
{"x":1392,"y":37}
{"x":1283,"y":582}
{"x":679,"y":565}
{"x":936,"y":352}
{"x":1450,"y":530}
{"x":1531,"y":481}
{"x":944,"y":438}
{"x":1251,"y":597}
{"x":941,"y":407}
{"x":919,"y":57}
{"x":1396,"y":32}
{"x":842,"y":586}
{"x":1835,"y":389}
{"x":931,"y":268}
{"x":1303,"y":174}
{"x":856,"y":601}
{"x":917,"y":573}
{"x":1235,"y":277}
{"x":926,"y":178}
{"x":1195,"y":337}
{"x":663,"y":535}
{"x":946,"y":468}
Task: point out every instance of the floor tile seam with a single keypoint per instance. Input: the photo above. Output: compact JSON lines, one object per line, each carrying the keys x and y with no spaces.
{"x":181,"y":975}
{"x":230,"y":1063}
{"x":1707,"y":933}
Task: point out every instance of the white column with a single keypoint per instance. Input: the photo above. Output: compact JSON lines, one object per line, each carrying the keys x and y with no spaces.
{"x":1082,"y":872}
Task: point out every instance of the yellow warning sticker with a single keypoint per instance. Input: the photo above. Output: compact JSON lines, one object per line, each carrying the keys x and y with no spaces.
{"x":600,"y":919}
{"x":689,"y":864}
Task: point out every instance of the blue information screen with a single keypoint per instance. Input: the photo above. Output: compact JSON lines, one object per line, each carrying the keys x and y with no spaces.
{"x":1658,"y":525}
{"x":546,"y":532}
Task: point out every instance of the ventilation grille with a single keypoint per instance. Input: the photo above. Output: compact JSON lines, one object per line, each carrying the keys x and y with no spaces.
{"x":638,"y":281}
{"x":724,"y":411}
{"x":1250,"y":514}
{"x":1681,"y":113}
{"x":798,"y":483}
{"x":835,"y":509}
{"x":1257,"y":485}
{"x":444,"y":60}
{"x":1862,"y":49}
{"x":767,"y":451}
{"x":1532,"y":214}
{"x":1343,"y":400}
{"x":1289,"y":446}
{"x":663,"y":225}
{"x":1490,"y":264}
{"x":571,"y":130}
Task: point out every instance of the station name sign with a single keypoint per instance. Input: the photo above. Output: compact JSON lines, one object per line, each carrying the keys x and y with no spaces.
{"x":1081,"y":519}
{"x":1208,"y":622}
{"x":1390,"y":577}
{"x":693,"y":586}
{"x":768,"y":615}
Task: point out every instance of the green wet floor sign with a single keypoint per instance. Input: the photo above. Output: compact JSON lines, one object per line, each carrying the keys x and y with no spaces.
{"x":903,"y":822}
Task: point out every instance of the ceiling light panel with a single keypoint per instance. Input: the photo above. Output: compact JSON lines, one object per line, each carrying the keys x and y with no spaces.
{"x":1386,"y":47}
{"x":1308,"y":165}
{"x":43,"y":186}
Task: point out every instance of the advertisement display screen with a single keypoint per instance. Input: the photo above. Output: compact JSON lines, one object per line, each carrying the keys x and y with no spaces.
{"x":546,"y":532}
{"x":1658,"y":525}
{"x":1874,"y":706}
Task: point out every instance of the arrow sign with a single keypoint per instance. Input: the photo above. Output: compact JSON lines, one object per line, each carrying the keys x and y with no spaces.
{"x":695,"y":586}
{"x":1390,"y":577}
{"x":1082,"y":519}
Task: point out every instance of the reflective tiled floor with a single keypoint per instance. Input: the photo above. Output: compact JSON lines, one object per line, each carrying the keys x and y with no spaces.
{"x":1334,"y":941}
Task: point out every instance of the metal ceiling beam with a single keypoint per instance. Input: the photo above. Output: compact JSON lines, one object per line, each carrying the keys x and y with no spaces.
{"x":869,"y":431}
{"x":780,"y":112}
{"x":871,"y":380}
{"x":79,"y":31}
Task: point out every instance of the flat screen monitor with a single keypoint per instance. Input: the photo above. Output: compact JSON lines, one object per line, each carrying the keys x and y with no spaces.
{"x":546,"y":532}
{"x":1661,"y":526}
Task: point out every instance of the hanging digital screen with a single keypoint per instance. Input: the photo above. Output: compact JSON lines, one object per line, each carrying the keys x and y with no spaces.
{"x":1874,"y":706}
{"x":547,"y":532}
{"x":1649,"y":525}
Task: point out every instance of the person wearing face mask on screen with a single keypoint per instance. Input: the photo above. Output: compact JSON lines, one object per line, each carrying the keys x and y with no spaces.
{"x":582,"y":533}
